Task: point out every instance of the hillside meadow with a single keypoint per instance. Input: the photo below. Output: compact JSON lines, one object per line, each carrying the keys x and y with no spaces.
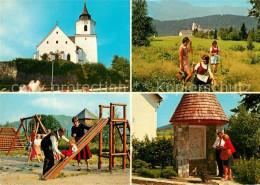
{"x":154,"y":67}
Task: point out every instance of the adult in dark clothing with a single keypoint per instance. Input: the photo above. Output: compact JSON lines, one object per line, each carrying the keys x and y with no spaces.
{"x":77,"y":131}
{"x":218,"y":145}
{"x":49,"y":145}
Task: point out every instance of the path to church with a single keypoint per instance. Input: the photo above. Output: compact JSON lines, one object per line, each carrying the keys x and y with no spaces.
{"x":14,"y":171}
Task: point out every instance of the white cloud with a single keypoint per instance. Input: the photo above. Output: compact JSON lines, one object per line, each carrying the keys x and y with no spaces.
{"x":53,"y":103}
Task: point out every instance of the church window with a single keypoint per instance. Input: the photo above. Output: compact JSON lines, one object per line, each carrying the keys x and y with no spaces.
{"x":85,"y":38}
{"x":57,"y":42}
{"x":47,"y":42}
{"x":85,"y":28}
{"x":57,"y":32}
{"x":66,"y":42}
{"x":68,"y":57}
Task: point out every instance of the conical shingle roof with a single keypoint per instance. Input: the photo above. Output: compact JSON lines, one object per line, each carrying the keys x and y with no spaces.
{"x":199,"y":109}
{"x":85,"y":15}
{"x":86,"y":114}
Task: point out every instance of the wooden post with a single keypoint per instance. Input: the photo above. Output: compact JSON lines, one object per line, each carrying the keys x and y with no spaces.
{"x":25,"y":132}
{"x":125,"y":113}
{"x":122,"y":138}
{"x":15,"y":137}
{"x":124,"y":146}
{"x":111,"y":139}
{"x":100,"y":151}
{"x":113,"y":144}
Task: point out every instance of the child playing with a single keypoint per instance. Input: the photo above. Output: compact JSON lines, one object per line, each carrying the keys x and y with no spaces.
{"x":201,"y":69}
{"x":37,"y":147}
{"x":73,"y":148}
{"x":214,"y":51}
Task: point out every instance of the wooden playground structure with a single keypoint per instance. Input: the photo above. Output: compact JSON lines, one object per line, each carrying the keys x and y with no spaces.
{"x":113,"y":122}
{"x":24,"y":124}
{"x":6,"y":137}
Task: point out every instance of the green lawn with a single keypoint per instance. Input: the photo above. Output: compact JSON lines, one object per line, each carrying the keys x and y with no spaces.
{"x":160,"y":62}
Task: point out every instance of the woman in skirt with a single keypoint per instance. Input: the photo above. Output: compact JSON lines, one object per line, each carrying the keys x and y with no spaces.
{"x":230,"y":161}
{"x":77,"y":131}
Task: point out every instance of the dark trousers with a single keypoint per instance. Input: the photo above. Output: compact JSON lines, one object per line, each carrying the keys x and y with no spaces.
{"x":48,"y":160}
{"x":219,"y":161}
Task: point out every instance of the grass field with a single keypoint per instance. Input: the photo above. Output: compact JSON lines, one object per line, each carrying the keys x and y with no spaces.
{"x":154,"y":67}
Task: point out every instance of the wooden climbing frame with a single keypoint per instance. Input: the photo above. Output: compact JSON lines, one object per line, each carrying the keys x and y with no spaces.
{"x":114,"y":124}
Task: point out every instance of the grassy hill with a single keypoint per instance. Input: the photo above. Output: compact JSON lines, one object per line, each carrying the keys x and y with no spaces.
{"x":171,"y":28}
{"x":165,"y":131}
{"x":154,"y":67}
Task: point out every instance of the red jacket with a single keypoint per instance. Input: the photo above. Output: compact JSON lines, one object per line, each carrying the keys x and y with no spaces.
{"x":228,"y":144}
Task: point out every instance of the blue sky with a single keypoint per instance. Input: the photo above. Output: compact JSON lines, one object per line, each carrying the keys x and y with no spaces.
{"x":171,"y":101}
{"x":16,"y":106}
{"x":24,"y":23}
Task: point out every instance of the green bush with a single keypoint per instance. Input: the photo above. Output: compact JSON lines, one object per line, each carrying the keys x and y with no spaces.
{"x":156,"y":173}
{"x":254,"y":58}
{"x":152,"y":173}
{"x":168,"y":173}
{"x":140,"y":164}
{"x":237,"y":48}
{"x":247,"y":171}
{"x":157,"y":152}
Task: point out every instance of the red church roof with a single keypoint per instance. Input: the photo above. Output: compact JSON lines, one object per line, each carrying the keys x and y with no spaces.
{"x":199,"y":109}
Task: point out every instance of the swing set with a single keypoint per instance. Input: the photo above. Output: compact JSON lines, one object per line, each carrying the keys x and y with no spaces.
{"x":25,"y":125}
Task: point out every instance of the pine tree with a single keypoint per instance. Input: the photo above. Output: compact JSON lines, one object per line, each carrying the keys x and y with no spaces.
{"x":243,"y":32}
{"x":250,"y":45}
{"x":255,"y":11}
{"x":142,"y":27}
{"x":230,"y":29}
{"x":216,"y":34}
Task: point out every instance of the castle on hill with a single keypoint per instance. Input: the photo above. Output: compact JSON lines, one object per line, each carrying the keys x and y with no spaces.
{"x":195,"y":26}
{"x":80,"y":48}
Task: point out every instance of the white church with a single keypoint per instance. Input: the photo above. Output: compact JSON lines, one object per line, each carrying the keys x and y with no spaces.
{"x":80,"y":48}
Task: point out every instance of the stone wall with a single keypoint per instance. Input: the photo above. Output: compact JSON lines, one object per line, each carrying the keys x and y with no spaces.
{"x":181,"y":149}
{"x":211,"y":158}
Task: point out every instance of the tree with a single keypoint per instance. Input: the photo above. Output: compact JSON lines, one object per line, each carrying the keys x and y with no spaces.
{"x":48,"y":121}
{"x":142,"y":27}
{"x":216,"y":34}
{"x":243,"y":32}
{"x":230,"y":29}
{"x":256,"y":35}
{"x":244,"y":132}
{"x":223,"y":33}
{"x":255,"y":11}
{"x":122,"y":66}
{"x":45,"y":57}
{"x":250,"y":45}
{"x":234,"y":35}
{"x":251,"y":102}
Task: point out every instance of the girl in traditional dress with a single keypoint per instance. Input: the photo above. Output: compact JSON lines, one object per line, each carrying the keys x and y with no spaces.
{"x":77,"y":131}
{"x":184,"y":58}
{"x":214,"y":51}
{"x":37,"y":147}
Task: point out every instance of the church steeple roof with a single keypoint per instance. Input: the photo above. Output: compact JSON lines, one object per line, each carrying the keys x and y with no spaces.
{"x":85,"y":15}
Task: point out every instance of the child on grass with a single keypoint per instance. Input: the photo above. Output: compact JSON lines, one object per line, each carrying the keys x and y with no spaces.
{"x":214,"y":51}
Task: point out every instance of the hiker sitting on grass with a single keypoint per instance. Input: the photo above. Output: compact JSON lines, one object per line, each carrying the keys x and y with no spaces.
{"x":184,"y":58}
{"x":214,"y":51}
{"x":201,"y":69}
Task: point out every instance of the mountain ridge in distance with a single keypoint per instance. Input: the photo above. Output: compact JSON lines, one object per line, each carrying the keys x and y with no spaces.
{"x":173,"y":27}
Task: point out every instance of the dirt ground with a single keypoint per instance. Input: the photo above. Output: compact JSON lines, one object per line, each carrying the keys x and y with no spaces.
{"x":15,"y":170}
